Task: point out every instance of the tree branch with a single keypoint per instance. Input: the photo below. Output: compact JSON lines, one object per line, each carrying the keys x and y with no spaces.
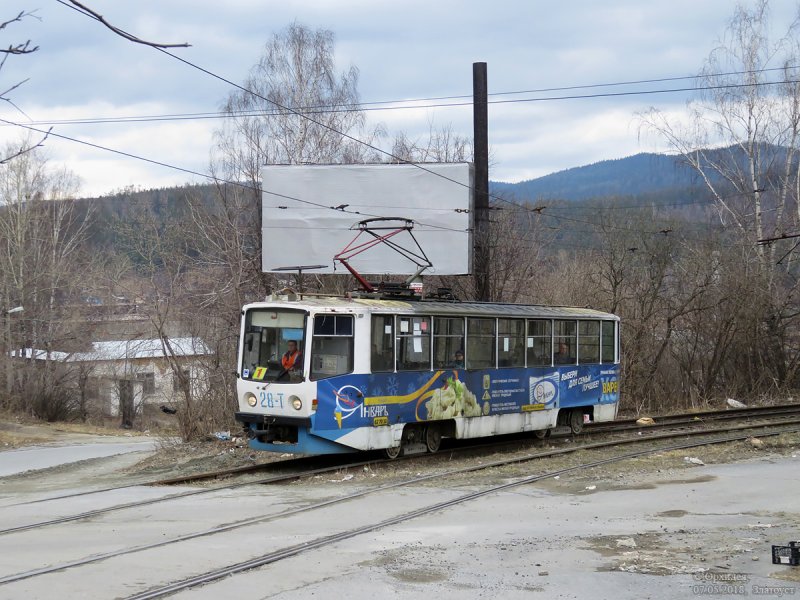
{"x":120,"y":32}
{"x":23,"y":150}
{"x":16,"y":19}
{"x":12,"y":88}
{"x":24,"y":48}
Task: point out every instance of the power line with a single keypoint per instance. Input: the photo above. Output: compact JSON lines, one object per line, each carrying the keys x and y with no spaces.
{"x":662,"y":232}
{"x":647,"y":92}
{"x":397,"y":158}
{"x":709,"y":202}
{"x":216,"y":179}
{"x":389,"y":154}
{"x":305,"y":112}
{"x":288,"y":109}
{"x":317,"y":205}
{"x":376,"y":104}
{"x":576,"y":205}
{"x":322,"y":206}
{"x":319,"y":123}
{"x":642,"y":81}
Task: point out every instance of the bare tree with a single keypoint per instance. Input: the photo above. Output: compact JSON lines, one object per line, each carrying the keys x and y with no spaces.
{"x":158,"y":250}
{"x":442,"y":144}
{"x":517,"y":239}
{"x":744,"y":136}
{"x":297,"y":110}
{"x":16,"y":49}
{"x":743,"y":142}
{"x":41,"y":252}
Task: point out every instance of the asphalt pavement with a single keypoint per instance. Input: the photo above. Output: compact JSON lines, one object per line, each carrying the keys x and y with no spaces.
{"x":34,"y":458}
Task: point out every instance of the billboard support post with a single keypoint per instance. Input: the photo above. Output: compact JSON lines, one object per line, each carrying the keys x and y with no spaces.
{"x":299,"y":269}
{"x":481,"y":150}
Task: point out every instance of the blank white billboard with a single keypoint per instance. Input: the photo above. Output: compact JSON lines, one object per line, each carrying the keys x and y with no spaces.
{"x":310,"y":214}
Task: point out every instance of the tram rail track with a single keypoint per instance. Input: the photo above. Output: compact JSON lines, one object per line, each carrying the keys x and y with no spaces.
{"x":717,"y":437}
{"x":689,"y":419}
{"x":294,"y":550}
{"x":660,"y":421}
{"x":695,"y":417}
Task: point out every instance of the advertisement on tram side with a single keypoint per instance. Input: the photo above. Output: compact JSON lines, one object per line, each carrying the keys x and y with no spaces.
{"x":352,"y":401}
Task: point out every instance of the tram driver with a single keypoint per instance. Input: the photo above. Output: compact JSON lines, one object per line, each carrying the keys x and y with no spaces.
{"x":292,"y":360}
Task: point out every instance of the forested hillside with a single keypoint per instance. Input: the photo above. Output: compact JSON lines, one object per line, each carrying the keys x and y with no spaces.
{"x":642,"y":175}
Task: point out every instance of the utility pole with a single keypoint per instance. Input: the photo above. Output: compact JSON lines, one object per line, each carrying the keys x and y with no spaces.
{"x":9,"y":367}
{"x":480,"y":235}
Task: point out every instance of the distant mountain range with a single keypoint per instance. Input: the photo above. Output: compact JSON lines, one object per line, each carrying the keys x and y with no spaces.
{"x":647,"y":177}
{"x":642,"y":174}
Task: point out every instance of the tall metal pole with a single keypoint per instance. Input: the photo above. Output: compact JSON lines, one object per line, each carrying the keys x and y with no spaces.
{"x":480,"y":236}
{"x":9,"y":367}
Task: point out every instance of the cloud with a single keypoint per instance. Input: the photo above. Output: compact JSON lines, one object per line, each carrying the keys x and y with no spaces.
{"x":413,"y":49}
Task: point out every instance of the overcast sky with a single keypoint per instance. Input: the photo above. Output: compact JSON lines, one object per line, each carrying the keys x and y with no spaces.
{"x":404,"y":50}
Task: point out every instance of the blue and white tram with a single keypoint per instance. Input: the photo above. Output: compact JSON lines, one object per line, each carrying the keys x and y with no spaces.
{"x":394,"y":375}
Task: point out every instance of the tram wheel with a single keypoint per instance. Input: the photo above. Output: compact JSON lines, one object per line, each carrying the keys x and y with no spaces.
{"x":541,"y":434}
{"x":393,"y":452}
{"x":576,"y":421}
{"x":433,"y":438}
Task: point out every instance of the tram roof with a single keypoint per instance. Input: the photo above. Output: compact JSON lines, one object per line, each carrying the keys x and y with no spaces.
{"x":439,"y":308}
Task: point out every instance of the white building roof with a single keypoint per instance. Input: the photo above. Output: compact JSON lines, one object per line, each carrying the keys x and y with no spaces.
{"x":123,"y":350}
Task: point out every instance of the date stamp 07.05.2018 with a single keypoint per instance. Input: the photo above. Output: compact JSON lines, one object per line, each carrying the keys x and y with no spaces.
{"x":709,"y":583}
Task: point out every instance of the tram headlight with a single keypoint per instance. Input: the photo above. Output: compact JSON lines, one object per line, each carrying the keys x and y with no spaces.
{"x":250,"y":398}
{"x":297,"y":404}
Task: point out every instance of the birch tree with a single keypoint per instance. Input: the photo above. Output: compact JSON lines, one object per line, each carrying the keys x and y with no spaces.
{"x":442,"y":144}
{"x":742,"y":140}
{"x":295,"y":109}
{"x":41,"y":253}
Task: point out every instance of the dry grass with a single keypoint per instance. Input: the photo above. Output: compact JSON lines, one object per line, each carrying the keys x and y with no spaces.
{"x":10,"y":440}
{"x":17,"y":432}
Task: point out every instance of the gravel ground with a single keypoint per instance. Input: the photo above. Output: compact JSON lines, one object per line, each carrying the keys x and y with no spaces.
{"x":652,"y":526}
{"x":174,"y":458}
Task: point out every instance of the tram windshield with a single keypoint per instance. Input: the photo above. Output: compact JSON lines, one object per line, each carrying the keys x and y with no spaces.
{"x":273,"y":345}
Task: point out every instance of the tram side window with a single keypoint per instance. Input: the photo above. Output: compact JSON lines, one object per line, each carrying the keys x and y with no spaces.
{"x":608,"y":338}
{"x":588,"y":342}
{"x":480,"y":344}
{"x":413,"y":343}
{"x":540,"y":347}
{"x":448,"y":338}
{"x":565,"y":342}
{"x":332,"y":346}
{"x":511,"y":343}
{"x":382,"y":343}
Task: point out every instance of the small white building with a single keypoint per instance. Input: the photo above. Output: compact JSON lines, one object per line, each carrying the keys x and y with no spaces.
{"x":136,"y":369}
